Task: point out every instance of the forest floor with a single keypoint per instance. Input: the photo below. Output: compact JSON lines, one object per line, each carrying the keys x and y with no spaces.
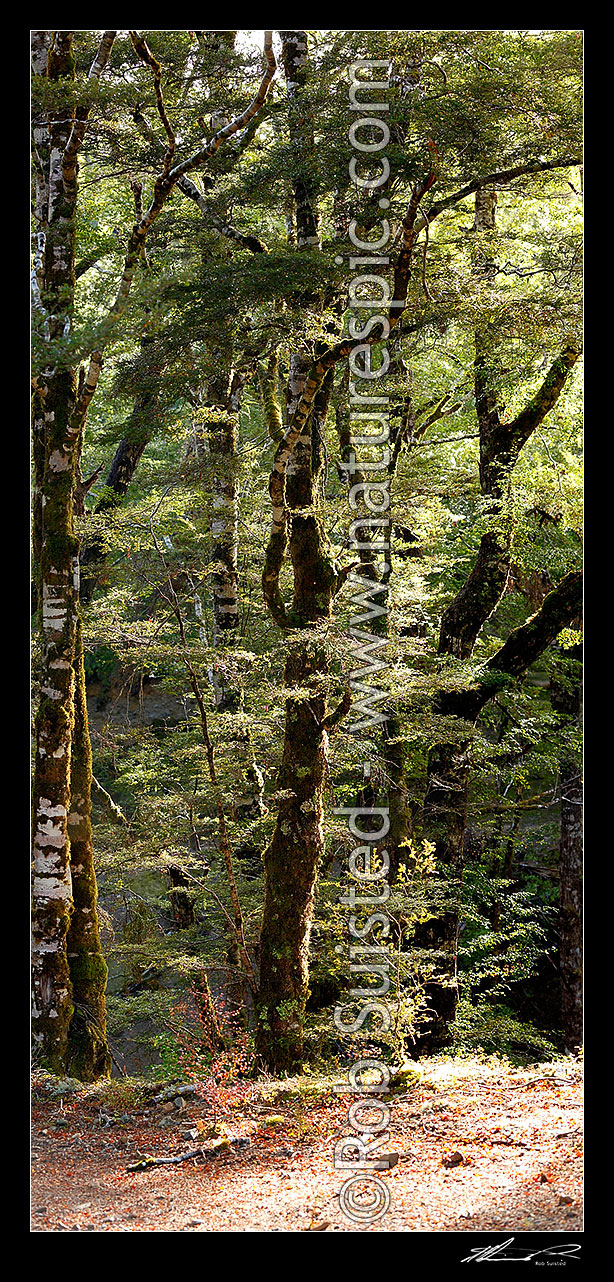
{"x":480,"y":1145}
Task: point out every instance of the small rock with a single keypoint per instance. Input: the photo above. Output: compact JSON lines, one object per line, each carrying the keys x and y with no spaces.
{"x":453,"y":1159}
{"x":386,"y":1161}
{"x":565,"y":1201}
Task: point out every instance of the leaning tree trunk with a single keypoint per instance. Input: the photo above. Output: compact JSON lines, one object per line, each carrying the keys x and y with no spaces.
{"x":140,"y":428}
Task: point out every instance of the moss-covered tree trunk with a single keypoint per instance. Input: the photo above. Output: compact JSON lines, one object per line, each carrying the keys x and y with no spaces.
{"x":52,"y":885}
{"x":293,"y":856}
{"x":297,"y":845}
{"x":88,"y":1055}
{"x":292,"y":859}
{"x":58,"y":430}
{"x":55,"y":460}
{"x":291,"y":864}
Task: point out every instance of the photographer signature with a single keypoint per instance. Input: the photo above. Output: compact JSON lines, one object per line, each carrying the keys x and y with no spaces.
{"x":505,"y":1251}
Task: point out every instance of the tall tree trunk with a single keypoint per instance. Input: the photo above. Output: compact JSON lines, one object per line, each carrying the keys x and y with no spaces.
{"x":52,"y":885}
{"x":56,"y":462}
{"x":291,"y":863}
{"x":222,"y":430}
{"x":293,"y":856}
{"x":56,"y":458}
{"x":88,"y":1055}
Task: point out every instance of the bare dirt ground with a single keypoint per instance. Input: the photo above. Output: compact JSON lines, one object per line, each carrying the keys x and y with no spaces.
{"x":480,"y":1147}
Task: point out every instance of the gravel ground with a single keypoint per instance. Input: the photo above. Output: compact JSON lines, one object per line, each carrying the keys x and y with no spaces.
{"x":480,"y":1147}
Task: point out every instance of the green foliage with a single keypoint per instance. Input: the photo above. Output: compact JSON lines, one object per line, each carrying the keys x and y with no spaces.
{"x":494,"y":957}
{"x":100,"y":665}
{"x":496,"y":1030}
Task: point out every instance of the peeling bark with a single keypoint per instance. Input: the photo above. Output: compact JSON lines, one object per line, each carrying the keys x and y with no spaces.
{"x":58,"y":436}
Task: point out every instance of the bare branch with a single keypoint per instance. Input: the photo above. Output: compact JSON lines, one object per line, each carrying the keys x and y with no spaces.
{"x":142,"y":49}
{"x":503,"y":175}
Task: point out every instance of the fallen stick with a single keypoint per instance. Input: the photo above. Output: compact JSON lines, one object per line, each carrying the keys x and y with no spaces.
{"x":222,"y":1146}
{"x":145,"y":1162}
